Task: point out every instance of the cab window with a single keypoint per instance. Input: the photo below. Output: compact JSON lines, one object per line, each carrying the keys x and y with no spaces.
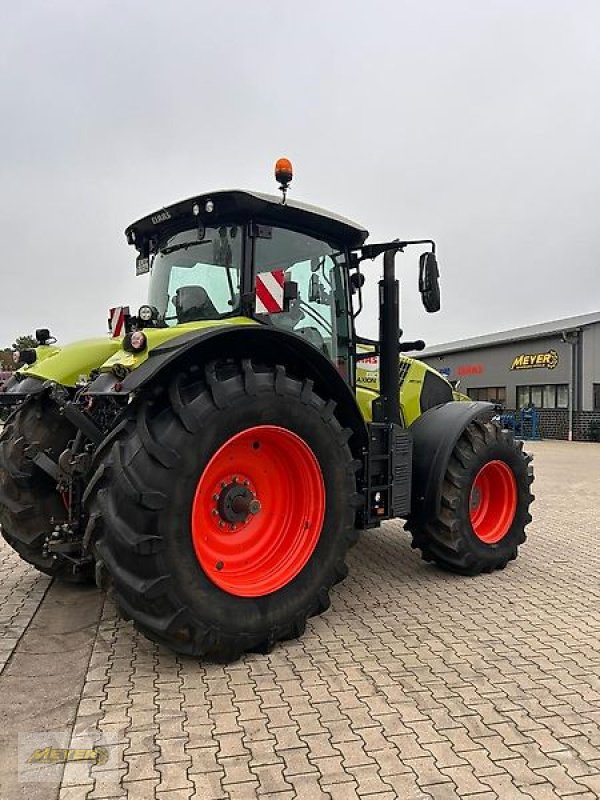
{"x":195,"y":278}
{"x":319,"y":313}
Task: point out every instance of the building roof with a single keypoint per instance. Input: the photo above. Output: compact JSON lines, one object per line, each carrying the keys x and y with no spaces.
{"x":247,"y":205}
{"x":516,"y":335}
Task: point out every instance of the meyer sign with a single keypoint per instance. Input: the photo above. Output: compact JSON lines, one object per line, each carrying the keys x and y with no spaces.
{"x":547,"y":360}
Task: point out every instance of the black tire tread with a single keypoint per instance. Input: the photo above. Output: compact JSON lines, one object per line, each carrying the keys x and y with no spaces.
{"x":28,"y":497}
{"x":131,"y":555}
{"x":441,"y":538}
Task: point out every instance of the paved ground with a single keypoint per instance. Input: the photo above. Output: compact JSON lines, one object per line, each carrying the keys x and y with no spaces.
{"x":415,"y":685}
{"x":21,"y":591}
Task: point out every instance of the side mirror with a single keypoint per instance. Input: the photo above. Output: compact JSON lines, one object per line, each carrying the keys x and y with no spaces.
{"x":429,"y":284}
{"x":317,"y":293}
{"x":290,"y":294}
{"x":142,"y":262}
{"x":314,"y":289}
{"x":357,"y":281}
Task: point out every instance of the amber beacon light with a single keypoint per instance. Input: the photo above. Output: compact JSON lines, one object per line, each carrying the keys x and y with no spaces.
{"x":283,"y":174}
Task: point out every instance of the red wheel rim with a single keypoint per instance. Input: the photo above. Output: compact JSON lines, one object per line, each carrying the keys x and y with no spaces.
{"x":258,"y":511}
{"x":493,"y":501}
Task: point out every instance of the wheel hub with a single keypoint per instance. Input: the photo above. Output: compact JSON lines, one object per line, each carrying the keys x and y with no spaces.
{"x":236,"y":502}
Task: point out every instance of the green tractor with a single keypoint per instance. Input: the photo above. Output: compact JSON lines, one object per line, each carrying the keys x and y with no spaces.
{"x":216,"y":456}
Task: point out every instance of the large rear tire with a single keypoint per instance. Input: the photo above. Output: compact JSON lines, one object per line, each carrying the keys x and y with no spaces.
{"x":224,"y":509}
{"x":30,"y":504}
{"x":484,"y":506}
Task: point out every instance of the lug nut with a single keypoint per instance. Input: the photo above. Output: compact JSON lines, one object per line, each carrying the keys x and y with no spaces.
{"x":254,"y":506}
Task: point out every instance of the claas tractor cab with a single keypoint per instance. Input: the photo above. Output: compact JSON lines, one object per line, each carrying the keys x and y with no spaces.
{"x":216,"y":456}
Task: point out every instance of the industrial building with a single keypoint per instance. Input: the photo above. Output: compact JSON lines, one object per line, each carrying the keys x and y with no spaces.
{"x":553,"y":367}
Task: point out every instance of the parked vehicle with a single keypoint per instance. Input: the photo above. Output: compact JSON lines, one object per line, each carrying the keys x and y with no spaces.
{"x":215,"y":459}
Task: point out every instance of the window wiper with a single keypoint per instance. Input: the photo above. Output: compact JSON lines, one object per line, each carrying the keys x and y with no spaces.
{"x":183,"y":246}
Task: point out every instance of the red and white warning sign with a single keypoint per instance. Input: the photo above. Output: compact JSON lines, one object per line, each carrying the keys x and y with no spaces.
{"x":269,"y":292}
{"x":116,"y":320}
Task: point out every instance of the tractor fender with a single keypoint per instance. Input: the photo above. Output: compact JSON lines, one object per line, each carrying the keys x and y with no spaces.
{"x":260,"y":343}
{"x":18,"y":389}
{"x":435,"y":434}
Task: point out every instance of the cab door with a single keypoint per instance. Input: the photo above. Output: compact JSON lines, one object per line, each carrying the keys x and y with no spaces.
{"x":313,"y":275}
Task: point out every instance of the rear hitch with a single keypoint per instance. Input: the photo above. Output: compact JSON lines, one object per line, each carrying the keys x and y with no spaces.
{"x":65,"y":543}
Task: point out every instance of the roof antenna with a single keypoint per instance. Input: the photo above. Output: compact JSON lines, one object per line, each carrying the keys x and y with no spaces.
{"x":283,"y":175}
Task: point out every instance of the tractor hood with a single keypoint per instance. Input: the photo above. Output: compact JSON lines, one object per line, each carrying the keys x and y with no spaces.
{"x":72,"y":364}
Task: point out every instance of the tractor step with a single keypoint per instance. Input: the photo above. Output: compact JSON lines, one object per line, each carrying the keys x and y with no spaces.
{"x":388,"y":470}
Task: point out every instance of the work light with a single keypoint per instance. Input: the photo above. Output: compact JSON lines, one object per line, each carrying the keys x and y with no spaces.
{"x":146,"y":313}
{"x":135,"y":342}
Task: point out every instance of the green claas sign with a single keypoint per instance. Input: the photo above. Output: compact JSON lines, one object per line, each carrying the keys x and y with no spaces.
{"x":549,"y":360}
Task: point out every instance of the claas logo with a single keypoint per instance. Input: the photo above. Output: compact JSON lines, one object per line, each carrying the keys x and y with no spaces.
{"x":548,"y":360}
{"x":370,"y":364}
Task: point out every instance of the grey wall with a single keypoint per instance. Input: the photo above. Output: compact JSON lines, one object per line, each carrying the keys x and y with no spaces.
{"x":591,"y":363}
{"x":495,"y":365}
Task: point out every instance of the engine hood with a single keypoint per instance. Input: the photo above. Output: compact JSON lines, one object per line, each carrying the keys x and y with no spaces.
{"x":70,"y":363}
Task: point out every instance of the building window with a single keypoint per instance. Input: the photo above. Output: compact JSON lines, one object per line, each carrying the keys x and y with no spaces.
{"x":522,"y":396}
{"x":562,"y":396}
{"x":597,"y":397}
{"x":537,"y":396}
{"x":490,"y":394}
{"x":550,"y":395}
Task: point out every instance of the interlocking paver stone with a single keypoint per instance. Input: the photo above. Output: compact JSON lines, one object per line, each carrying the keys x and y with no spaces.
{"x":22,"y":589}
{"x":417,"y":685}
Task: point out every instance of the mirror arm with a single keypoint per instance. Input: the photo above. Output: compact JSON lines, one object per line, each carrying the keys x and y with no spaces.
{"x":421,"y":241}
{"x":360,"y":305}
{"x":371,"y":251}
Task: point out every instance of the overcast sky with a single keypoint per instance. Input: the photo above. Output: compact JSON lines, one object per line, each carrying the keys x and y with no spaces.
{"x":475,"y":123}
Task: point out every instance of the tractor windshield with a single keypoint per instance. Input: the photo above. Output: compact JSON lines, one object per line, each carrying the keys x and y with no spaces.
{"x":196,"y":279}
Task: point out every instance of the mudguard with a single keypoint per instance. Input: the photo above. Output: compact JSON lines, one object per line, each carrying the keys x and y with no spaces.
{"x":259,"y":343}
{"x":15,"y":390}
{"x":435,"y":434}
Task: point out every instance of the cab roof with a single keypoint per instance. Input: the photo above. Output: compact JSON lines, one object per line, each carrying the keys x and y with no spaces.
{"x":244,"y":206}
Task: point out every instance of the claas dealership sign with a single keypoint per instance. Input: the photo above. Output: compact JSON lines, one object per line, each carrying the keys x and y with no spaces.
{"x":548,"y":360}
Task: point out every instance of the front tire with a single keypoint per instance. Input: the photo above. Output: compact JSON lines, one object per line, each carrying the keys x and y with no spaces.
{"x":484,"y":504}
{"x":213,"y":549}
{"x":30,"y":504}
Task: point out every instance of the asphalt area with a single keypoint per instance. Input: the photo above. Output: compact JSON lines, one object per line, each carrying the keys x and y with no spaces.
{"x":415,"y":684}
